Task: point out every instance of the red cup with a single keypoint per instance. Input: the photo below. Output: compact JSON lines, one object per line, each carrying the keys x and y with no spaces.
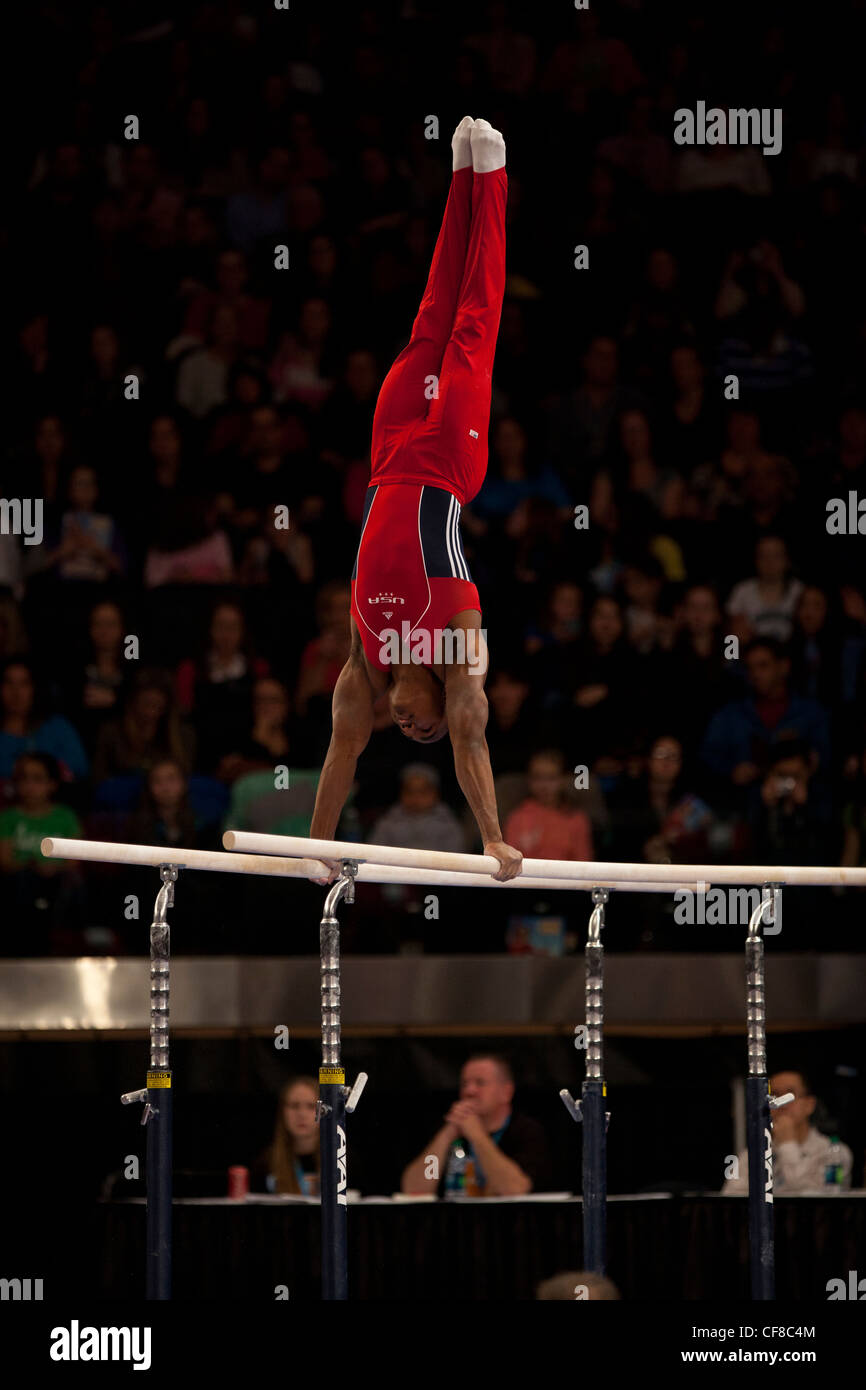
{"x":239,"y":1182}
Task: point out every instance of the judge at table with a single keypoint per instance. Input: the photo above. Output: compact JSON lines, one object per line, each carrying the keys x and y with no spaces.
{"x":483,"y":1149}
{"x":801,"y":1153}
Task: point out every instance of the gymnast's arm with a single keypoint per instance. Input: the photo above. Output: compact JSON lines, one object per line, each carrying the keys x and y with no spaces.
{"x":466,"y":704}
{"x":352,"y":713}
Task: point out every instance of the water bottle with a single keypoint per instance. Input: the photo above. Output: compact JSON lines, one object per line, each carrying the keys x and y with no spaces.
{"x":455,"y":1172}
{"x":833,"y":1169}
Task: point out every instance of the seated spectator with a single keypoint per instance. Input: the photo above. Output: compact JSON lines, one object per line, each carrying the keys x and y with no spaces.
{"x":33,"y":815}
{"x":791,"y":826}
{"x":544,"y":826}
{"x":553,"y":644}
{"x":537,"y":541}
{"x":13,"y":634}
{"x":303,"y":369}
{"x":484,"y":1148}
{"x":607,"y":673}
{"x":561,"y":622}
{"x":164,"y":479}
{"x":11,"y":566}
{"x":581,"y":422}
{"x":722,"y":484}
{"x":581,"y":1285}
{"x":512,"y":479}
{"x":647,"y":626}
{"x":231,"y":280}
{"x":769,"y":506}
{"x":854,"y":818}
{"x":700,"y":679}
{"x":643,"y":477}
{"x":656,"y":817}
{"x":96,"y":689}
{"x":346,"y":421}
{"x":165,"y":816}
{"x":741,"y":735}
{"x":246,"y":390}
{"x":265,"y":741}
{"x":260,"y":213}
{"x":37,"y":893}
{"x":511,"y":728}
{"x":746,"y":274}
{"x":203,"y":375}
{"x":761,"y":350}
{"x":216,"y":686}
{"x":816,"y":649}
{"x":800,"y":1151}
{"x":25,"y":728}
{"x":280,"y":559}
{"x":324,"y":657}
{"x":147,"y":731}
{"x":420,"y":819}
{"x":692,"y":424}
{"x":191,"y":548}
{"x":765,"y":606}
{"x":90,"y":548}
{"x":291,"y":1164}
{"x":604,"y":566}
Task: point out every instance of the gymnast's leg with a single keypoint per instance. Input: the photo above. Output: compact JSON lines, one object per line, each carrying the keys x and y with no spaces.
{"x":462,"y":409}
{"x":404,"y":395}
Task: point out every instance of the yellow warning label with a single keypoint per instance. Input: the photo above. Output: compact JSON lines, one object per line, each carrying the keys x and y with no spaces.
{"x":159,"y":1080}
{"x":332,"y":1076}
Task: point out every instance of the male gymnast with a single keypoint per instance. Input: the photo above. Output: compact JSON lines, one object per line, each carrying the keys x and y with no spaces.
{"x":429,"y":458}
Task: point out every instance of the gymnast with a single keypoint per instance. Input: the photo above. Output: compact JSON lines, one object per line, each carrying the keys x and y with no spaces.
{"x":429,"y":457}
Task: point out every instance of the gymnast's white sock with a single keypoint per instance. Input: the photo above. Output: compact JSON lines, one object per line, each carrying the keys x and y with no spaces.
{"x":488,"y":148}
{"x":460,"y":144}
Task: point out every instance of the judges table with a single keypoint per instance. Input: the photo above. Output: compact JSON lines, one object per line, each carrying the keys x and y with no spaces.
{"x":660,"y":1247}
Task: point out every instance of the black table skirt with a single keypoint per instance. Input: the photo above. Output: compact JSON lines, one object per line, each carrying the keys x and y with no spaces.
{"x":678,"y":1248}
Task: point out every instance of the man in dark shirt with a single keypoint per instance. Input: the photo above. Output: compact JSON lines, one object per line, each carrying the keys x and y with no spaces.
{"x":483,"y":1149}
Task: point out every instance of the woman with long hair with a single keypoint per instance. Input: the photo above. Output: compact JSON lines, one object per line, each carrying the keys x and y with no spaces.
{"x":215,"y":687}
{"x":148,"y":730}
{"x":95,"y":686}
{"x":28,"y":726}
{"x":165,"y":816}
{"x":292,"y":1163}
{"x":657,"y":818}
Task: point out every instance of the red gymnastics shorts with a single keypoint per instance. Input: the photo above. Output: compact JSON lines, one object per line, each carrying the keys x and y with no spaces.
{"x":410,"y":576}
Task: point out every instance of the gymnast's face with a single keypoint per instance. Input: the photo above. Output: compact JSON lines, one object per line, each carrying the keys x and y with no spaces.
{"x":418,"y":708}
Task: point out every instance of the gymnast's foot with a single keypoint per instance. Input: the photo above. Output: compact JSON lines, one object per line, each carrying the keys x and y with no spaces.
{"x":488,"y":148}
{"x":460,"y":144}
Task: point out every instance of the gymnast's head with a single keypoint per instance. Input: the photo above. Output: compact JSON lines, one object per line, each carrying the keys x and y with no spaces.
{"x":417,"y":700}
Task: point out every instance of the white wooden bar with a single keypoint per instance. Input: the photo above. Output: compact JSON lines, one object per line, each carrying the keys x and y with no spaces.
{"x":670,"y":875}
{"x":215,"y":861}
